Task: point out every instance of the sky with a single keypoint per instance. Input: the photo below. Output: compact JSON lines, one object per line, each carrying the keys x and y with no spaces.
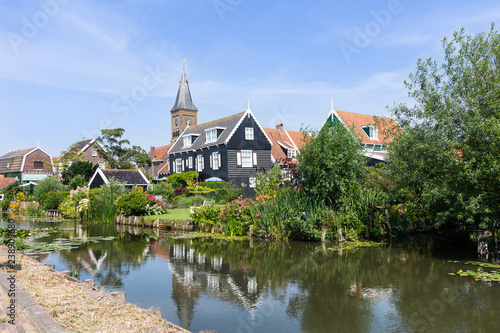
{"x":69,"y":68}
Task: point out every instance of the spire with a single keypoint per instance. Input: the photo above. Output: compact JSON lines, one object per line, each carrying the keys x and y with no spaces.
{"x":183,"y":100}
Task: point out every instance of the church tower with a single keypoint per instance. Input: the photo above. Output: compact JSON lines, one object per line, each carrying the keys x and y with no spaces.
{"x":183,"y":113}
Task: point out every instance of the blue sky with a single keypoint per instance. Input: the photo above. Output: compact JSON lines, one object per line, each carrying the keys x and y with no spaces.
{"x":68,"y":68}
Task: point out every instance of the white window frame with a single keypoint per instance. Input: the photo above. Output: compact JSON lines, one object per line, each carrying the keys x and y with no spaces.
{"x":94,"y":152}
{"x":249,"y":133}
{"x":190,"y":162}
{"x":211,"y":135}
{"x":216,"y":160}
{"x":178,"y":165}
{"x":187,"y":141}
{"x":200,"y":162}
{"x":373,"y":131}
{"x":246,"y":159}
{"x":292,"y":153}
{"x":101,"y":164}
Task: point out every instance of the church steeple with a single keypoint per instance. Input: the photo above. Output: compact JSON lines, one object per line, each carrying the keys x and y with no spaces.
{"x":184,"y":112}
{"x":183,"y":100}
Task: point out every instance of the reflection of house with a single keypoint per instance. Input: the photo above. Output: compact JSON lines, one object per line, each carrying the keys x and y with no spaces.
{"x":159,"y":162}
{"x":31,"y":164}
{"x":194,"y":274}
{"x":374,"y":132}
{"x":87,"y":150}
{"x":286,"y":144}
{"x":130,"y":178}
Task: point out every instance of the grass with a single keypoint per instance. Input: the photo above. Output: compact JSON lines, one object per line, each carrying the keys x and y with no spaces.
{"x":177,"y":214}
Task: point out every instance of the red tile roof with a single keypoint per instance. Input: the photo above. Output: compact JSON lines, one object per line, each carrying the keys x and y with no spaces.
{"x":357,"y":120}
{"x":160,"y":152}
{"x":284,"y":139}
{"x":6,"y":181}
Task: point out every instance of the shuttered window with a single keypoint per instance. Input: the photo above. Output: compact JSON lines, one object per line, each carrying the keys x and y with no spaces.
{"x":38,"y":165}
{"x":246,"y":159}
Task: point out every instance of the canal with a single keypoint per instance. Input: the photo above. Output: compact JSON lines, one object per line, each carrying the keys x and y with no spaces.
{"x":256,"y":286}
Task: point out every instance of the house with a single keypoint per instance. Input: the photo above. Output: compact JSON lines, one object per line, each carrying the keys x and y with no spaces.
{"x":86,"y":150}
{"x":375,"y":133}
{"x":159,"y":162}
{"x":130,"y":178}
{"x":286,"y":144}
{"x":231,"y":148}
{"x":6,"y":181}
{"x":33,"y":164}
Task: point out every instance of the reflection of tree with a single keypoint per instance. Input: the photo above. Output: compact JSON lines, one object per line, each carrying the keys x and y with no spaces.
{"x":335,"y":292}
{"x":107,"y":260}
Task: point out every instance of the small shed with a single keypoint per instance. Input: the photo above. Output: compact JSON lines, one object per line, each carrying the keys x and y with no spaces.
{"x":129,"y":178}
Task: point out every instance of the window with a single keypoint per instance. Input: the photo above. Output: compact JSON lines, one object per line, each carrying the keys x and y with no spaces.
{"x":291,"y":153}
{"x":211,"y":135}
{"x":94,"y":152}
{"x":246,"y":158}
{"x":101,"y":164}
{"x":371,"y":131}
{"x":187,"y":141}
{"x":216,"y":162}
{"x":251,"y":182}
{"x":38,"y":165}
{"x":178,"y":165}
{"x":200,"y":162}
{"x":249,"y":133}
{"x":190,"y":162}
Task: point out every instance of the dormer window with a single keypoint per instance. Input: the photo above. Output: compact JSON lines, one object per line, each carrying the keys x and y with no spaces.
{"x":371,"y":131}
{"x":211,"y":135}
{"x":187,"y":141}
{"x":291,"y":153}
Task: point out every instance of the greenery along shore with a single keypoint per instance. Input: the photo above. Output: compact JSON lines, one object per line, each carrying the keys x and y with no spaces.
{"x":443,"y":170}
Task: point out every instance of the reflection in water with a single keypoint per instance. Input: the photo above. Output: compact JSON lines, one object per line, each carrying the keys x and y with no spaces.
{"x":256,"y":286}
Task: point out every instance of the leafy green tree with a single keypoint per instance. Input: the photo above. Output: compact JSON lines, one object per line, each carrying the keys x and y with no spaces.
{"x":49,"y":184}
{"x":447,"y":159}
{"x":331,"y":164}
{"x":116,"y":152}
{"x":268,"y":182}
{"x":79,"y":168}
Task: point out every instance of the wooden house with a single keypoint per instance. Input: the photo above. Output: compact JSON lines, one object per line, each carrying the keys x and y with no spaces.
{"x":129,"y":178}
{"x":33,"y":164}
{"x":231,"y":148}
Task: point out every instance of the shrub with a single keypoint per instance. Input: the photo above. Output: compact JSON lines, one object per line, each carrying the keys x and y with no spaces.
{"x":102,"y":201}
{"x":181,"y":190}
{"x":166,"y":190}
{"x":52,"y":200}
{"x":269,"y":181}
{"x":196,"y":200}
{"x":207,"y":216}
{"x":224,"y":192}
{"x":131,"y":204}
{"x":178,"y":179}
{"x":47,"y":185}
{"x":154,"y":206}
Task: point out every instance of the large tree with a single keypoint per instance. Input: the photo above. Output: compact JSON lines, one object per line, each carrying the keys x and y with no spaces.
{"x":448,"y":157}
{"x":116,"y":152}
{"x":331,"y":164}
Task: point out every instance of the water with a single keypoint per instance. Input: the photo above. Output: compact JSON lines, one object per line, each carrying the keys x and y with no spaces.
{"x":254,"y":286}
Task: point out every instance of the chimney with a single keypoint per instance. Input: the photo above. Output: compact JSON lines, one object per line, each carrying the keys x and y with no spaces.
{"x":279,"y":127}
{"x":152,"y":153}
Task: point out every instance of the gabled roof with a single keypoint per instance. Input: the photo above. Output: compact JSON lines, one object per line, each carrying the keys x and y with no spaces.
{"x":359,"y":120}
{"x":160,"y":152}
{"x":164,"y":169}
{"x":128,"y":177}
{"x":183,"y":100}
{"x":81,"y":146}
{"x":6,"y":181}
{"x":282,"y":138}
{"x":14,"y":161}
{"x":228,"y":123}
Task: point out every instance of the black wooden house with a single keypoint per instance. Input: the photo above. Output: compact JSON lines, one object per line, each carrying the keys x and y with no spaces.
{"x":231,"y":148}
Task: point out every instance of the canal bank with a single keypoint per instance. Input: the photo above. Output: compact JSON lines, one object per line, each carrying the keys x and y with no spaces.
{"x":75,"y":306}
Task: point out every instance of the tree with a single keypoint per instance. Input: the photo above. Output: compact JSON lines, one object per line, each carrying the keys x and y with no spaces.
{"x":447,"y":158}
{"x":79,"y":168}
{"x":331,"y":164}
{"x":49,"y":184}
{"x":116,"y":152}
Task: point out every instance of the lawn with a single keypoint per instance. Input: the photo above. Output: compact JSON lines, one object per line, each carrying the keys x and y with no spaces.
{"x":179,"y":214}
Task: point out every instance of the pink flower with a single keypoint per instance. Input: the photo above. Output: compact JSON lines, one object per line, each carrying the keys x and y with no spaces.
{"x":257,"y":215}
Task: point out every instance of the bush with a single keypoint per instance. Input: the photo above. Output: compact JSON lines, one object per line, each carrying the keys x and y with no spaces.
{"x":207,"y":216}
{"x":178,"y":179}
{"x":224,"y":192}
{"x":131,"y":204}
{"x":102,"y":201}
{"x":269,"y":181}
{"x":77,"y":181}
{"x":166,"y":190}
{"x":181,"y":190}
{"x":196,"y":200}
{"x":52,"y":200}
{"x":48,"y":184}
